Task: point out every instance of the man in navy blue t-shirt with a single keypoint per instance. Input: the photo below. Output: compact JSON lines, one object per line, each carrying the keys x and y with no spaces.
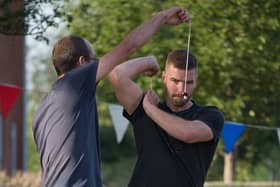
{"x":65,"y":125}
{"x":175,"y":139}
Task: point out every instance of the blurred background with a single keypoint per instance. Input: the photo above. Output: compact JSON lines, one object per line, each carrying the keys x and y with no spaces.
{"x":237,"y":44}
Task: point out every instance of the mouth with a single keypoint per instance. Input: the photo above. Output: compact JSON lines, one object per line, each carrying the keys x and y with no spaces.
{"x":184,"y":96}
{"x":179,"y":100}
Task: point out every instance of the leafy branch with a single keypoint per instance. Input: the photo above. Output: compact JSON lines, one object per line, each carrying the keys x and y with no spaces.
{"x":30,"y":17}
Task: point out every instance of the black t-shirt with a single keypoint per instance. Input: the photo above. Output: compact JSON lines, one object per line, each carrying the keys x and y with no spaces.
{"x":65,"y":129}
{"x":164,"y":161}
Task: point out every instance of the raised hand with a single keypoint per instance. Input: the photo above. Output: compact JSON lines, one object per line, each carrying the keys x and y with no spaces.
{"x":152,"y":65}
{"x":150,"y":99}
{"x":175,"y":16}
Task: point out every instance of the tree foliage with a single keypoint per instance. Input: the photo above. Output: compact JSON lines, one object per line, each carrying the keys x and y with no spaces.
{"x":30,"y":17}
{"x":236,"y":44}
{"x":234,"y":41}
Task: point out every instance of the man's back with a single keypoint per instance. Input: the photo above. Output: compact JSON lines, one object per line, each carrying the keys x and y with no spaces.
{"x":66,"y":131}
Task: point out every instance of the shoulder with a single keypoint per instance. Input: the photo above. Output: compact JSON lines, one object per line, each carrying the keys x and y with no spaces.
{"x":212,"y":116}
{"x":83,"y":77}
{"x":213,"y":110}
{"x":90,"y":68}
{"x":208,"y":110}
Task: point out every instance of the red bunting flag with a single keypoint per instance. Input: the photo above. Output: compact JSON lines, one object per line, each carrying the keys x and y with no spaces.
{"x":8,"y":96}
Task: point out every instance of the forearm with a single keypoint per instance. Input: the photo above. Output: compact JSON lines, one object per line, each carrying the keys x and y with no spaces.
{"x":184,"y":130}
{"x":170,"y":123}
{"x":143,"y":33}
{"x":138,"y":37}
{"x":135,"y":39}
{"x":134,"y":67}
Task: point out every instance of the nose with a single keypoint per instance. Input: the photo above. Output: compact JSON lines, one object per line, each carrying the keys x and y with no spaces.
{"x":181,"y":87}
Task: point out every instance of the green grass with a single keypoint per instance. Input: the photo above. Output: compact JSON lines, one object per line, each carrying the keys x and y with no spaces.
{"x":117,"y":174}
{"x":33,"y":162}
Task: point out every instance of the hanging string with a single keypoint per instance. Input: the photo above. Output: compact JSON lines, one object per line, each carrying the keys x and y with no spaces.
{"x":187,"y":62}
{"x":256,"y":126}
{"x":151,"y":84}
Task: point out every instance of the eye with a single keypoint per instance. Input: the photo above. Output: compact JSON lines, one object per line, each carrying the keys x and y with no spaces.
{"x":175,"y":80}
{"x":190,"y":82}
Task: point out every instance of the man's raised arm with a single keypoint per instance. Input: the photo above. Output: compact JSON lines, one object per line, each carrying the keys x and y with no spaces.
{"x":128,"y":93}
{"x":138,"y":37}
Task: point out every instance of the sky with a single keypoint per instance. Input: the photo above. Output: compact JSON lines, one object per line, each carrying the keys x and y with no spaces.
{"x":38,"y":50}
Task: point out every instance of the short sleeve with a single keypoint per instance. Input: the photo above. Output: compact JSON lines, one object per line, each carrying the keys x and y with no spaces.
{"x":139,"y":111}
{"x":212,"y":117}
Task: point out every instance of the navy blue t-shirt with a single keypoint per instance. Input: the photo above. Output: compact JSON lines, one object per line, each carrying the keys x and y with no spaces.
{"x":164,"y":161}
{"x":65,"y":129}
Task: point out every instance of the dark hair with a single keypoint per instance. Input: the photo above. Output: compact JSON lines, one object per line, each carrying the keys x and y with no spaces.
{"x":178,"y":58}
{"x":66,"y":53}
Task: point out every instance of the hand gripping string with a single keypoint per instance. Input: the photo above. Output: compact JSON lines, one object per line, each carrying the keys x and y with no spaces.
{"x":187,"y":62}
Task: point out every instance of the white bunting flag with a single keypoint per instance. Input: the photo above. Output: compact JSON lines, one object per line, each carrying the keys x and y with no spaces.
{"x":119,"y":122}
{"x":278,"y":133}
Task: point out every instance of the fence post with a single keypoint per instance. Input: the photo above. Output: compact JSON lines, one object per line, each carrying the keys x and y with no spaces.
{"x":1,"y":142}
{"x":13,"y":147}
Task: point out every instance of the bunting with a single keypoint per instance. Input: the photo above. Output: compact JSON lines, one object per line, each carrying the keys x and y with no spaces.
{"x":231,"y":133}
{"x":120,"y":123}
{"x":278,"y":133}
{"x":8,"y":96}
{"x":1,"y":141}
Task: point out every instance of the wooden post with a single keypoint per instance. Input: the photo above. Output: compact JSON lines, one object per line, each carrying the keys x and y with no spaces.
{"x":12,"y":72}
{"x":228,"y":168}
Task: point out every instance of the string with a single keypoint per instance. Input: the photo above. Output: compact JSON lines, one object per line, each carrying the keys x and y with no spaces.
{"x":151,"y":84}
{"x":187,"y":61}
{"x":262,"y":127}
{"x":257,"y":126}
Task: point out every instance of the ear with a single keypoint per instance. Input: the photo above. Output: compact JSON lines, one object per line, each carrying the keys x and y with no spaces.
{"x":81,"y":61}
{"x":195,"y":80}
{"x":163,"y":76}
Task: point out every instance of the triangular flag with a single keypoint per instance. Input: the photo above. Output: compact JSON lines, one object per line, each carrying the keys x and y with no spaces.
{"x":8,"y":96}
{"x":1,"y":141}
{"x":278,"y":133}
{"x":231,"y":133}
{"x":119,"y":122}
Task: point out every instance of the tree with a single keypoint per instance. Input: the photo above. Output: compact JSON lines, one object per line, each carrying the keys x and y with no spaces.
{"x":29,"y":17}
{"x":235,"y":43}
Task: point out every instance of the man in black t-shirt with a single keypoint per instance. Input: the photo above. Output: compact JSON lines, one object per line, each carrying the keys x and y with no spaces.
{"x":65,"y":125}
{"x":175,"y":139}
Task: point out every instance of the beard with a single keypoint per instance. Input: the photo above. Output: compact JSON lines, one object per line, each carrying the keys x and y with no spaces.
{"x":177,"y":100}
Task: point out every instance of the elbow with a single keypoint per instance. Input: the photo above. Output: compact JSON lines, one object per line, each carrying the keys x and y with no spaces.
{"x":188,"y":137}
{"x":115,"y":76}
{"x":194,"y":136}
